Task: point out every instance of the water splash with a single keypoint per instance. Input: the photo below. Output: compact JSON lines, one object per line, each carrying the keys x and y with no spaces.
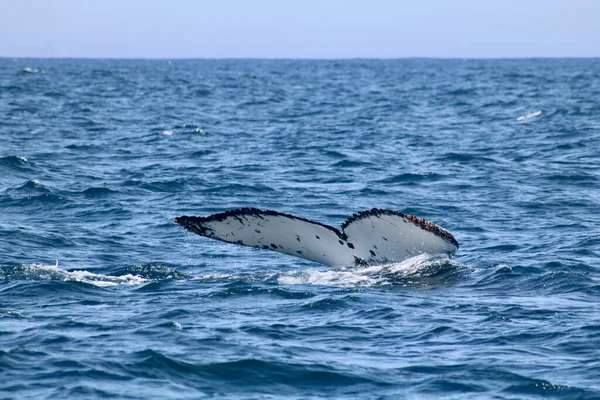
{"x":425,"y":270}
{"x":530,"y":115}
{"x":30,"y":70}
{"x":40,"y":272}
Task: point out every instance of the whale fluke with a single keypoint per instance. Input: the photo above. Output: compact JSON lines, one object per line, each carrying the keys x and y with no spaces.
{"x":370,"y":237}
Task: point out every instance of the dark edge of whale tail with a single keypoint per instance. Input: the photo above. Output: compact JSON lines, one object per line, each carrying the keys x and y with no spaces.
{"x":190,"y":223}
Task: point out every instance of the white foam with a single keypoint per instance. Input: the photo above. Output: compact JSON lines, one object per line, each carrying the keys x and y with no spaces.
{"x":407,"y":271}
{"x":53,"y":272}
{"x":22,"y":159}
{"x":11,"y":314}
{"x":530,"y":115}
{"x":327,"y":278}
{"x":168,"y":133}
{"x":417,"y":266}
{"x":217,"y":276}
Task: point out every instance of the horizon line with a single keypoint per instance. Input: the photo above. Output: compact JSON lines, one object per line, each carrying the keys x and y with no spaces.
{"x":160,"y":58}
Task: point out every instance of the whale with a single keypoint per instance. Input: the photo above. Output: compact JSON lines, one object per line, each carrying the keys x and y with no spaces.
{"x":370,"y":237}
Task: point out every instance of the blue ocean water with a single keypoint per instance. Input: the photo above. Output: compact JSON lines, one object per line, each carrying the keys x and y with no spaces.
{"x":102,"y":295}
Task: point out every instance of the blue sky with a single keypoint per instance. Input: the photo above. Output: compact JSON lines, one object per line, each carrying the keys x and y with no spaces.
{"x":299,"y":29}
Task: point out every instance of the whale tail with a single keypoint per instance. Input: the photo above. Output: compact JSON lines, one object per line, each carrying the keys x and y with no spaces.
{"x":370,"y":237}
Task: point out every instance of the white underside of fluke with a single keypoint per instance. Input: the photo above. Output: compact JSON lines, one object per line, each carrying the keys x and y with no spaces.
{"x":367,"y":238}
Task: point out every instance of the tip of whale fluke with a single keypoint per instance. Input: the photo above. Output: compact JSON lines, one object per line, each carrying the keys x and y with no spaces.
{"x":182,"y":220}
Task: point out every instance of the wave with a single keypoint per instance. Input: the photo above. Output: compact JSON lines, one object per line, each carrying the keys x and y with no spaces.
{"x":32,"y":192}
{"x":466,"y":158}
{"x":161,"y":186}
{"x":236,"y":188}
{"x":10,"y":88}
{"x":243,"y":373}
{"x":136,"y":275}
{"x":13,"y":161}
{"x":30,"y":70}
{"x":43,"y":198}
{"x":422,"y":271}
{"x":530,"y":115}
{"x":425,"y":270}
{"x":350,"y":164}
{"x":154,"y":272}
{"x":32,"y":185}
{"x":96,"y":192}
{"x":412,"y":177}
{"x":184,"y":129}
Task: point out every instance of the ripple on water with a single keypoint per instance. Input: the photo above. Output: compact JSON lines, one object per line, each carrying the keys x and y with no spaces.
{"x":99,"y":156}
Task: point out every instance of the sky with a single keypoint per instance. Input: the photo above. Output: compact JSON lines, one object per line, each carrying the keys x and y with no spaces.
{"x":329,"y":29}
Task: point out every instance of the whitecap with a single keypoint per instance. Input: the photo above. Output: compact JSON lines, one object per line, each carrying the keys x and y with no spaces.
{"x":38,"y":272}
{"x":530,"y":115}
{"x":31,"y":70}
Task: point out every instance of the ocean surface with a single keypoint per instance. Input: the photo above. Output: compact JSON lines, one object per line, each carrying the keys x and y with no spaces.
{"x":103,"y":295}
